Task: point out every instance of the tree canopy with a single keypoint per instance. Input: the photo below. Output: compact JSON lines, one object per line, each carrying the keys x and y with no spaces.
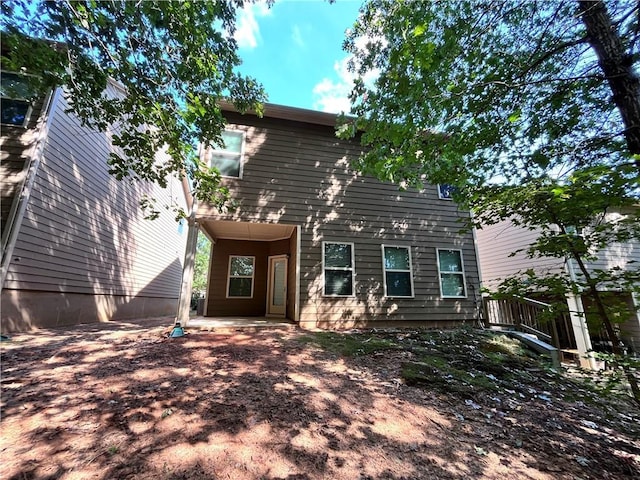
{"x":530,"y":109}
{"x":509,"y":102}
{"x":175,"y":61}
{"x":484,"y":90}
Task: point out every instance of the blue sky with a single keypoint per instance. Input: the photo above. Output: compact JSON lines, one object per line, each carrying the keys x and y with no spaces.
{"x":295,"y":50}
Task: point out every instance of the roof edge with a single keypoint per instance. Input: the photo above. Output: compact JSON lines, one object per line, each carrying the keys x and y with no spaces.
{"x":283,"y":112}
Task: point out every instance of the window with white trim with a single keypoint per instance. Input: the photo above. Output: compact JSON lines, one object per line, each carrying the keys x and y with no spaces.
{"x":338,"y":269}
{"x":228,"y":160}
{"x":575,"y":231}
{"x":241,"y":273}
{"x":397,"y":271}
{"x":15,"y":106}
{"x":445,"y":191}
{"x":451,"y":273}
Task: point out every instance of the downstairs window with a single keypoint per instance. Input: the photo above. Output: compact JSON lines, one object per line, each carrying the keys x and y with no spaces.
{"x":241,"y":273}
{"x":451,"y":272}
{"x":338,"y":269}
{"x":397,"y":271}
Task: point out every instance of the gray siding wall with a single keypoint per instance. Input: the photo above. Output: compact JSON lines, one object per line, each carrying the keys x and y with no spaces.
{"x":497,"y":242}
{"x":84,"y":233}
{"x":300,"y":174}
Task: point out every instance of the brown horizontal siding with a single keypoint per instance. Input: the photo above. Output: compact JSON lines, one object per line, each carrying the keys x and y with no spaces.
{"x":29,"y":309}
{"x":299,"y":174}
{"x":219,"y":304}
{"x":83,"y":231}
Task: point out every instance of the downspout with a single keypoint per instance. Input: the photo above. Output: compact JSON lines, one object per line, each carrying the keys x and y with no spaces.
{"x":481,"y":321}
{"x":296,"y":307}
{"x":16,"y":215}
{"x":635,"y":300}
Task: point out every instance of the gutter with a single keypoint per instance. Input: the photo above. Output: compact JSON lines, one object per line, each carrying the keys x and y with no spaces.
{"x":16,"y":215}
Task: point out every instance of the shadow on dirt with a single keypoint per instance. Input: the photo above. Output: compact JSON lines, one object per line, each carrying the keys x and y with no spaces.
{"x":269,"y":406}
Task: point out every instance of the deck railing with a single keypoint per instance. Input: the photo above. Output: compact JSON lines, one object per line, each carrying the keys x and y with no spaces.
{"x":530,"y":316}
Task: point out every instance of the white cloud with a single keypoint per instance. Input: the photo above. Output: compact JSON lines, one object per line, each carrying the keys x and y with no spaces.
{"x":296,"y":36}
{"x":333,"y":96}
{"x":247,"y":29}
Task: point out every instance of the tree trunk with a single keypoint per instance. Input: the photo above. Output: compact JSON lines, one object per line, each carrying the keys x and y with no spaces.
{"x":617,"y":65}
{"x":594,"y":294}
{"x":616,"y":344}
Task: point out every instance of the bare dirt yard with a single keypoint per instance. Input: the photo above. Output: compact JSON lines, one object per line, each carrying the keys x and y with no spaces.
{"x":124,"y":401}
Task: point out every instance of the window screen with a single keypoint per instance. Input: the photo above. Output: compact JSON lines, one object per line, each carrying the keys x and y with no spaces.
{"x":241,"y":270}
{"x":228,"y":160}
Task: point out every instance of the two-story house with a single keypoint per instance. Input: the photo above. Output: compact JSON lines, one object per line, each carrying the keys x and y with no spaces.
{"x":75,"y":245}
{"x":311,"y":240}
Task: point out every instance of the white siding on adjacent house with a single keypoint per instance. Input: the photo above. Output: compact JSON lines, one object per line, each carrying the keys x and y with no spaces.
{"x":622,"y":255}
{"x":495,"y":245}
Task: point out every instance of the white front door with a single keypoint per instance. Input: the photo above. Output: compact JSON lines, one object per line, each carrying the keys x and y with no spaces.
{"x":277,"y":286}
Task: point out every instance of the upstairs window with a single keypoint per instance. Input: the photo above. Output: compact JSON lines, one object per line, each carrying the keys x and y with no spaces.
{"x":338,"y":267}
{"x":228,"y":160}
{"x":14,"y":93}
{"x":451,"y":272}
{"x":398,"y":273}
{"x":445,"y":191}
{"x":241,"y":273}
{"x":575,"y":231}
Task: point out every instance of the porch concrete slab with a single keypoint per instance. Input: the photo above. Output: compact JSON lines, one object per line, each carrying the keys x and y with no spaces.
{"x":239,"y":323}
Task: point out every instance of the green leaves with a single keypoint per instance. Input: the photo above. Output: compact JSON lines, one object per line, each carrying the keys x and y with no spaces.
{"x":419,"y":30}
{"x":515,"y":116}
{"x":172,"y":63}
{"x":512,"y":86}
{"x":505,"y":101}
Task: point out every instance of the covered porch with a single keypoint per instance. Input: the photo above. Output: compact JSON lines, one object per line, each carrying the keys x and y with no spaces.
{"x":253,"y":272}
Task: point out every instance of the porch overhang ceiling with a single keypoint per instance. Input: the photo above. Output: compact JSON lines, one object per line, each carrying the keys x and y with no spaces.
{"x":261,"y":232}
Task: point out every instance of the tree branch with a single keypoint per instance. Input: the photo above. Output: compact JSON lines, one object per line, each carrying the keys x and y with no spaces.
{"x":547,"y":55}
